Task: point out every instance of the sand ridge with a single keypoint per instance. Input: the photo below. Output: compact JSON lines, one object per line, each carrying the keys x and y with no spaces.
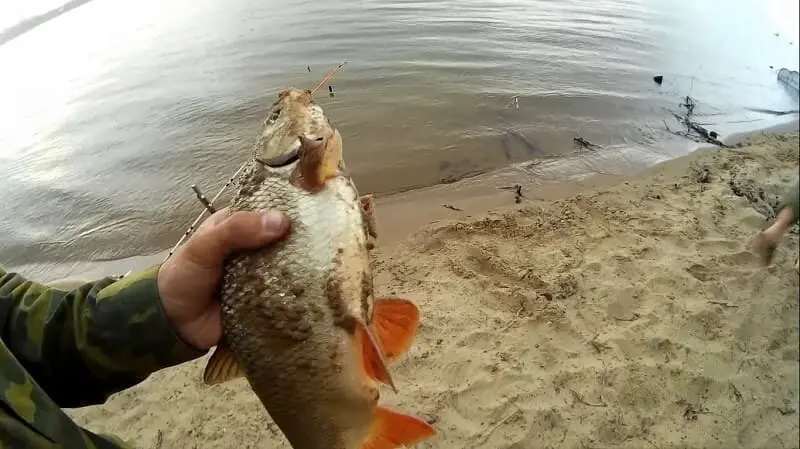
{"x":629,"y":316}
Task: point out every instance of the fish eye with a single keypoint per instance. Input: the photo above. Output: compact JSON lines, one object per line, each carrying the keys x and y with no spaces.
{"x":275,"y":115}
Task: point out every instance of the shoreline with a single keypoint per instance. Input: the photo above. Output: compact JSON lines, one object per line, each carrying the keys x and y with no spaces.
{"x":400,"y":214}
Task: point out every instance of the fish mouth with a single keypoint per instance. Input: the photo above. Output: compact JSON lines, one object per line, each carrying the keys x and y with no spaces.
{"x":282,"y":160}
{"x":290,"y":157}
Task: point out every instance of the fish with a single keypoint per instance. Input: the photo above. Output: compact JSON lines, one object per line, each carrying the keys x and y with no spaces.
{"x":300,"y":318}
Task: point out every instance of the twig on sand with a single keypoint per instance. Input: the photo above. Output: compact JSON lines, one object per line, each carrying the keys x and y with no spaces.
{"x":723,"y":304}
{"x":579,"y":398}
{"x":159,"y":439}
{"x":598,"y":346}
{"x":583,"y":143}
{"x":689,"y":104}
{"x":736,"y":393}
{"x":633,"y":317}
{"x":447,"y":206}
{"x":485,"y":437}
{"x":651,"y":443}
{"x":514,"y":102}
{"x":779,"y":436}
{"x":701,"y":134}
{"x":517,"y":188}
{"x":691,"y":411}
{"x":513,"y":320}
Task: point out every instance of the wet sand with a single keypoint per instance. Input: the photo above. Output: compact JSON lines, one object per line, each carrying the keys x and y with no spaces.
{"x":620,"y":312}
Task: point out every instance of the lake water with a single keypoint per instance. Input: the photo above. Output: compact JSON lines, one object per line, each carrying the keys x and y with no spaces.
{"x":110,"y":112}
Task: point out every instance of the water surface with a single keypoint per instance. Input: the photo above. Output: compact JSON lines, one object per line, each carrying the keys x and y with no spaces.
{"x":110,"y":112}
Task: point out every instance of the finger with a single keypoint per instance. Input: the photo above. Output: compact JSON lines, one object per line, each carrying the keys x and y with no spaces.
{"x":214,"y":219}
{"x":242,"y":230}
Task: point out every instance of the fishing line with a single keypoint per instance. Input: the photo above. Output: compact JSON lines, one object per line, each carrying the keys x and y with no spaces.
{"x":328,"y":77}
{"x":208,"y":206}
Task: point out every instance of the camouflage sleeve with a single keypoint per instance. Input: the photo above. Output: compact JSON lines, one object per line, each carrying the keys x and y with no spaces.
{"x":85,"y":344}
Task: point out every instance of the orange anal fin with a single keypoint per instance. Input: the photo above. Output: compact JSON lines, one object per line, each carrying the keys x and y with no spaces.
{"x":392,"y":430}
{"x":368,"y":208}
{"x":372,"y":357}
{"x":319,"y":159}
{"x":394,"y":322}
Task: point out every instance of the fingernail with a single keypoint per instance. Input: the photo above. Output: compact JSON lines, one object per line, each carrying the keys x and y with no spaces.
{"x":273,"y":220}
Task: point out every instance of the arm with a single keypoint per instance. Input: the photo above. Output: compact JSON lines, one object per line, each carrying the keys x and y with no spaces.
{"x":83,"y":345}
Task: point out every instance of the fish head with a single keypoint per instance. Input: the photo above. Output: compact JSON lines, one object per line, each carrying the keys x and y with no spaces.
{"x":299,"y":142}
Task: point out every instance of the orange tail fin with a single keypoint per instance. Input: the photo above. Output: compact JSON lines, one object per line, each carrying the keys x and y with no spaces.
{"x":392,"y":430}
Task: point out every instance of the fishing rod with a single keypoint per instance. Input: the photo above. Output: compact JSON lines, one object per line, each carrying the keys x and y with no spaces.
{"x":208,"y":206}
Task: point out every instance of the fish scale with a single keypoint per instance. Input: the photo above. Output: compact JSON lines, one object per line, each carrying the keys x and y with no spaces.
{"x":295,"y":327}
{"x":299,"y":318}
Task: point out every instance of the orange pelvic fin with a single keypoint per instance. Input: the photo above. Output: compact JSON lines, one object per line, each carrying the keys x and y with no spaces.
{"x":391,"y":430}
{"x":368,"y":208}
{"x":394,"y":323}
{"x":222,"y":366}
{"x":319,"y":159}
{"x":372,"y":356}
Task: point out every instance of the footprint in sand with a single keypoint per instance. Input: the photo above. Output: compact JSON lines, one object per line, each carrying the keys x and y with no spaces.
{"x":723,"y":265}
{"x":701,"y":272}
{"x":622,"y":309}
{"x":718,"y":245}
{"x":706,"y":324}
{"x":739,"y":258}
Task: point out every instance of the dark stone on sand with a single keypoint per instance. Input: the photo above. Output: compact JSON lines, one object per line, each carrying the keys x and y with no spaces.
{"x":705,"y":177}
{"x":658,"y":79}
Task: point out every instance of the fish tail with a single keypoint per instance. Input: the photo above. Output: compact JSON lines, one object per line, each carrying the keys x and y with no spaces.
{"x":391,"y":430}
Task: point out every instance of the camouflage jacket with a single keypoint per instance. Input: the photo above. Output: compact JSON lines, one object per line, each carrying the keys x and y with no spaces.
{"x":73,"y":349}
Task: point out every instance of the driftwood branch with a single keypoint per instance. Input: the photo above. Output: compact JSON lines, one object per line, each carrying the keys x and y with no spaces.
{"x":695,"y":131}
{"x":583,"y":143}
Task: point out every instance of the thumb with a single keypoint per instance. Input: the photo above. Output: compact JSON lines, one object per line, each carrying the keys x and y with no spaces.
{"x":242,"y":230}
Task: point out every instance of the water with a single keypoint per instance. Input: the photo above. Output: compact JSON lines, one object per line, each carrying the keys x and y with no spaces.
{"x":109,"y":113}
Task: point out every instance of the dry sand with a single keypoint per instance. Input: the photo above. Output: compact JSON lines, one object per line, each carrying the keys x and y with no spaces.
{"x":624,"y":316}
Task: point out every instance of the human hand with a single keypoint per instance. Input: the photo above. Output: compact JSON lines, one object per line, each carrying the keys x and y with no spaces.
{"x":188,"y":281}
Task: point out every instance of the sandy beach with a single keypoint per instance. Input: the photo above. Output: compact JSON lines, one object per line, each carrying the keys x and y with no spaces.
{"x":628,"y":313}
